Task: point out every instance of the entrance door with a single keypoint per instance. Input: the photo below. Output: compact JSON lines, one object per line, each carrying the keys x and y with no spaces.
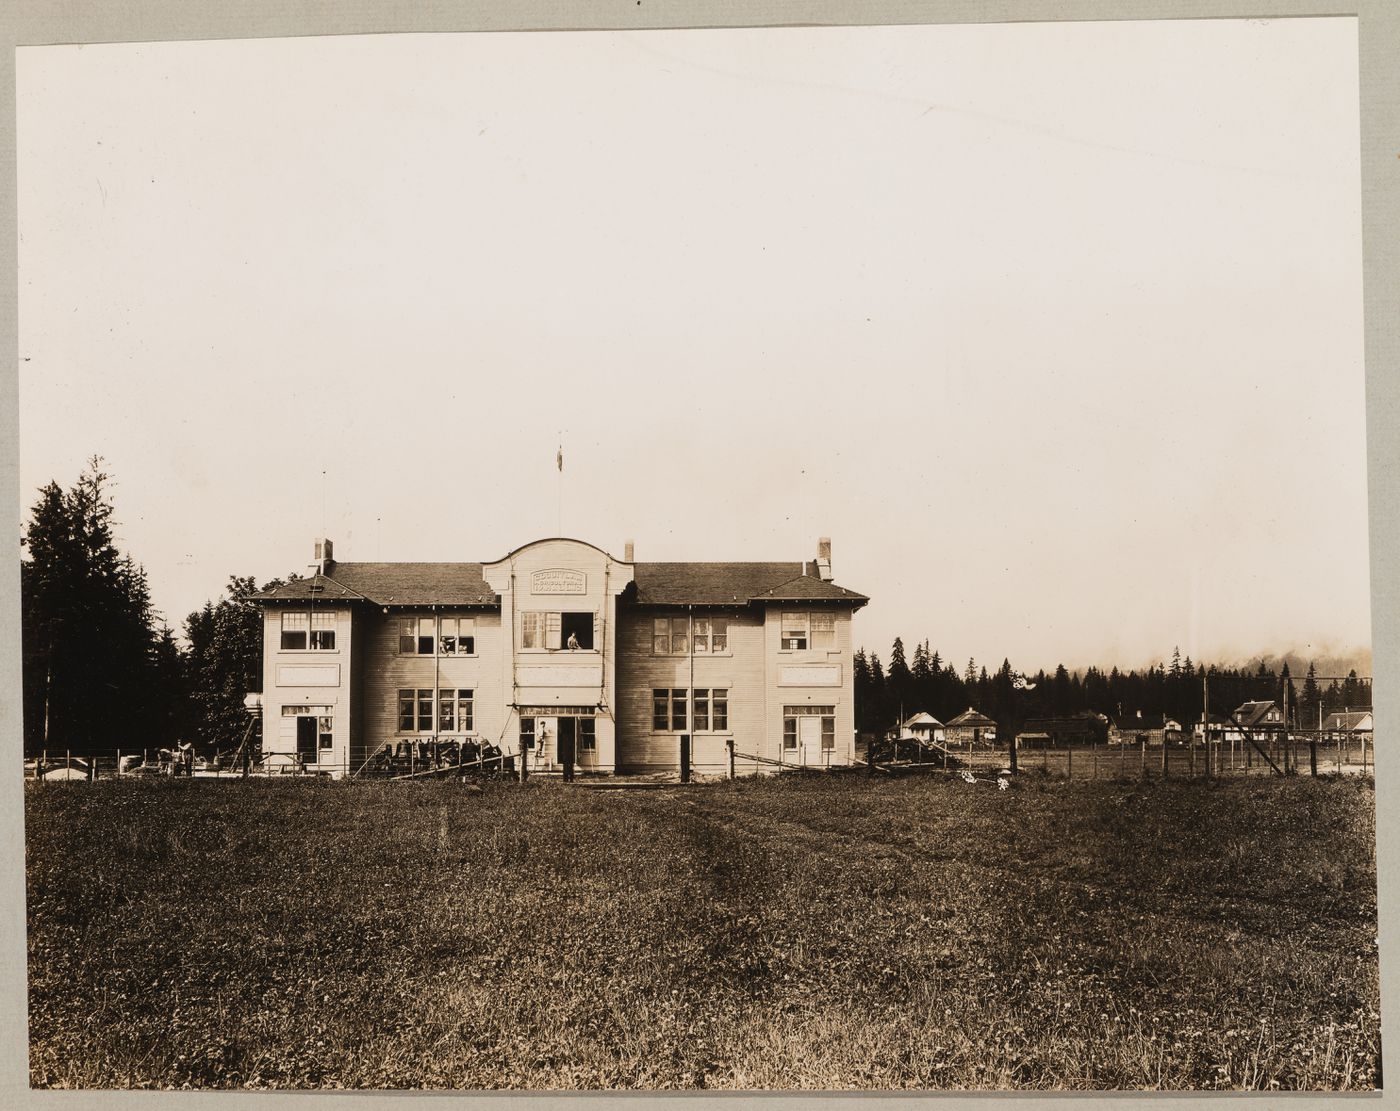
{"x":568,"y":745}
{"x":306,"y":739}
{"x":809,"y":740}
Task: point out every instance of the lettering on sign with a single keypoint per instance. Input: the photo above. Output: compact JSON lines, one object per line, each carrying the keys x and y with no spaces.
{"x":558,"y":580}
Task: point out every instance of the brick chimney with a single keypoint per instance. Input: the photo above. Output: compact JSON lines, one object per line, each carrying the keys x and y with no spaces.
{"x":627,"y":552}
{"x":824,"y":558}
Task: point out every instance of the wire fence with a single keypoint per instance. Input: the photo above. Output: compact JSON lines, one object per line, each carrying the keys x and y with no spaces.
{"x":1298,"y":752}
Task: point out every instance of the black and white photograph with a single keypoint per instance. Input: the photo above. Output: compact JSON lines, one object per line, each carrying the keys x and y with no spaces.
{"x":828,"y":558}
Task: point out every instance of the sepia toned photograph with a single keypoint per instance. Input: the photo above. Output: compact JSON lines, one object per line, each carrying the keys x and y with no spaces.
{"x":826,"y":558}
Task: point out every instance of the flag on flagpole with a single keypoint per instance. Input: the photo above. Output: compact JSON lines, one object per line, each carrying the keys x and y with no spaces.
{"x":559,"y":459}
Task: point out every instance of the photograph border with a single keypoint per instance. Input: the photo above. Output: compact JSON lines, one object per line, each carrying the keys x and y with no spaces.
{"x":34,"y":23}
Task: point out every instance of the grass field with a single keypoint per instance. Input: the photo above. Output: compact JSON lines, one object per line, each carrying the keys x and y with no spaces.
{"x":827,"y":932}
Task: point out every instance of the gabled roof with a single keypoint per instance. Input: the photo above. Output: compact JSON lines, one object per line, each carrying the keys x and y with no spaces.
{"x":656,"y":584}
{"x":923,"y":717}
{"x":1354,"y":719}
{"x":1252,"y":713}
{"x":318,"y":588}
{"x":395,"y":584}
{"x":718,"y":584}
{"x":806,"y":588}
{"x":1130,"y":722}
{"x":971,"y":717}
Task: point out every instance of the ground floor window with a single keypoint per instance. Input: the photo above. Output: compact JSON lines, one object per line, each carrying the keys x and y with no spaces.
{"x":668,"y":709}
{"x":454,"y":710}
{"x":416,"y":711}
{"x":668,"y":705}
{"x":527,"y":733}
{"x":587,"y":735}
{"x":711,"y":709}
{"x":822,"y":731}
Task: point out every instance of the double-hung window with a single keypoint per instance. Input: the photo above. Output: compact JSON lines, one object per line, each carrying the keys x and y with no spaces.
{"x":587,"y":735}
{"x":457,"y":636}
{"x":801,"y":631}
{"x":416,"y":711}
{"x":668,"y":710}
{"x":711,"y":635}
{"x":668,"y":706}
{"x":301,"y":630}
{"x":417,"y":634}
{"x":711,"y":710}
{"x":454,"y":710}
{"x":678,"y":636}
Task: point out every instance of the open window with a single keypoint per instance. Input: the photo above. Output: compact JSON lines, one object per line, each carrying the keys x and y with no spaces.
{"x":554,"y":630}
{"x":577,"y":630}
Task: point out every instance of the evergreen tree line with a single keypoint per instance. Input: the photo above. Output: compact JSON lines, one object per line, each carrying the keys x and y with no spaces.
{"x":886,"y":695}
{"x":102,"y":671}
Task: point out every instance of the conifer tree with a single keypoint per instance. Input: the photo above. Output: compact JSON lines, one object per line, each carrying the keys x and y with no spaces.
{"x":92,"y":683}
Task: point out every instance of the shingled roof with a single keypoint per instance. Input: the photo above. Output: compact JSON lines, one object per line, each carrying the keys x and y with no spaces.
{"x":655,"y":584}
{"x":395,"y":584}
{"x":718,"y":584}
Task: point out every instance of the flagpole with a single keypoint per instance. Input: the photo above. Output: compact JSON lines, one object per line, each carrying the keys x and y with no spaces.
{"x":559,"y":463}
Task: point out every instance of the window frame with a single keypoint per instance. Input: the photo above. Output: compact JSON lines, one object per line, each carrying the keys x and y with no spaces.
{"x":313,"y":639}
{"x":680,"y":635}
{"x":548,"y":626}
{"x":786,"y":638}
{"x":665,"y":703}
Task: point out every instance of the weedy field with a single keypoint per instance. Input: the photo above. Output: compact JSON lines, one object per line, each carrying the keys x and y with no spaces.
{"x":819,"y":933}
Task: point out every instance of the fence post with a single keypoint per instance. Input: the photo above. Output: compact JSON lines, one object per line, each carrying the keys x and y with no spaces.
{"x":729,"y":744}
{"x":1165,"y":747}
{"x":1312,"y":756}
{"x":1339,"y":754}
{"x":1011,"y":752}
{"x":1142,"y":755}
{"x":1069,"y":761}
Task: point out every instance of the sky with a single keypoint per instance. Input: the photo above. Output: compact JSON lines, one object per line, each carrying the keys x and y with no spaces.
{"x":1054,"y":329}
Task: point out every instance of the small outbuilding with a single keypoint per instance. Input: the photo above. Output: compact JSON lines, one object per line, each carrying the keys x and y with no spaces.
{"x":971,"y":727}
{"x":924,"y":728}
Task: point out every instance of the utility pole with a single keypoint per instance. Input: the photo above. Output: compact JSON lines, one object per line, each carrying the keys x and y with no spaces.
{"x":1205,"y":717}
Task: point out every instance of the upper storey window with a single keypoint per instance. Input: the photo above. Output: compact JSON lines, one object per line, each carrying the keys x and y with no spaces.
{"x":800,"y":631}
{"x":301,"y":631}
{"x":555,"y":630}
{"x":671,"y":636}
{"x":453,"y":636}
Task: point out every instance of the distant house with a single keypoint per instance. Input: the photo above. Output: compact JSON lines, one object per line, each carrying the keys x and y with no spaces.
{"x":1221,"y":729}
{"x":1259,"y":717}
{"x":1083,"y":727}
{"x":924,"y":728}
{"x":971,"y":728}
{"x":1349,"y":721}
{"x":1140,"y":728}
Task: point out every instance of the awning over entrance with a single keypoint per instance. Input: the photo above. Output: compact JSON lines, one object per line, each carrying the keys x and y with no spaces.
{"x":556,"y":711}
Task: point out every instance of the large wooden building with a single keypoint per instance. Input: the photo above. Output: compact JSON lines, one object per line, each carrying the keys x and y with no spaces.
{"x":559,"y":647}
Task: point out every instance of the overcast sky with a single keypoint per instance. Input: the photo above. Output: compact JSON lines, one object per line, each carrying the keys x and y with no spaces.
{"x":1054,"y":329}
